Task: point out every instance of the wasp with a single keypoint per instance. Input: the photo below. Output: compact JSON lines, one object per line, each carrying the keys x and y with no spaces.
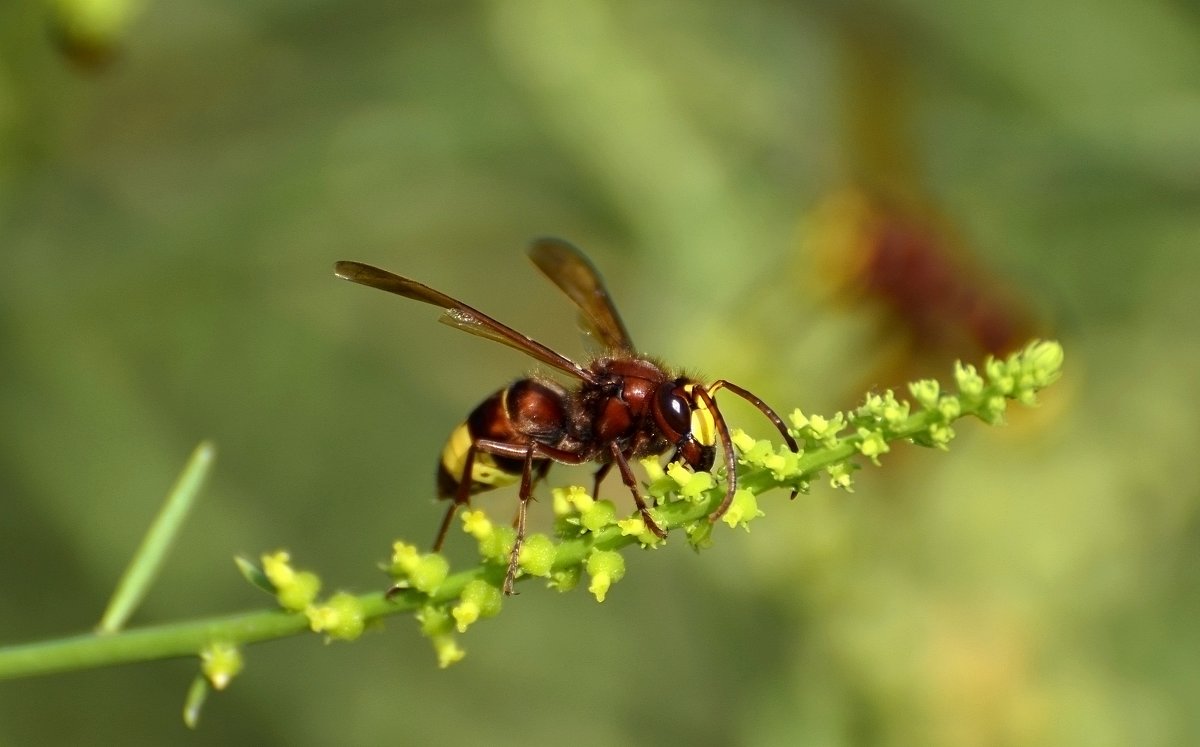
{"x":623,"y":405}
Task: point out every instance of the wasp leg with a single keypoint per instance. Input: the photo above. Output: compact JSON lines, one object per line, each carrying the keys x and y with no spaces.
{"x":462,"y":497}
{"x":524,"y":495}
{"x":540,"y":469}
{"x":730,"y":456}
{"x":631,"y":483}
{"x":599,"y":478}
{"x":529,"y":454}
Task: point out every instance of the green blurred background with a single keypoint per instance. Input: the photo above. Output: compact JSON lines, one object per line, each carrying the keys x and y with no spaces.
{"x":175,"y":189}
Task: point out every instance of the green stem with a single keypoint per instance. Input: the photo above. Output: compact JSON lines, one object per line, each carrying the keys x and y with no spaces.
{"x":148,"y":559}
{"x":175,"y":640}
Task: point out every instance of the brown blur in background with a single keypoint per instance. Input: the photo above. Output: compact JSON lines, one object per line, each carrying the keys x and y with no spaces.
{"x":811,"y":199}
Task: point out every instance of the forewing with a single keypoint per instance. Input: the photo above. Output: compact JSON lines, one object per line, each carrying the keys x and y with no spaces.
{"x":571,"y":271}
{"x":458,"y":314}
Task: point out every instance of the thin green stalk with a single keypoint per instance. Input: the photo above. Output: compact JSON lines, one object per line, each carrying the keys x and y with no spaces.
{"x":147,"y":561}
{"x":174,"y":640}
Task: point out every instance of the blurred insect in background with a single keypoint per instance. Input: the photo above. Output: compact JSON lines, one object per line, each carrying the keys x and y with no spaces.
{"x":932,"y":301}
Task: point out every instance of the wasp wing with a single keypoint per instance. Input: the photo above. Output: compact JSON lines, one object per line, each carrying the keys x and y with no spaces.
{"x":571,"y":271}
{"x":458,"y":314}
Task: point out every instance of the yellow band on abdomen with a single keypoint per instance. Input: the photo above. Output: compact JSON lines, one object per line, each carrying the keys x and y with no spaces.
{"x":484,"y":470}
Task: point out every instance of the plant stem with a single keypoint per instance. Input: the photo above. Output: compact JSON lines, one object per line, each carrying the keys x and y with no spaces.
{"x":148,"y":559}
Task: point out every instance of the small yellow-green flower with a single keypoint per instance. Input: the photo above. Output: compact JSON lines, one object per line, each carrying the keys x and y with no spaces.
{"x":537,"y":555}
{"x":949,"y":407}
{"x":606,"y":567}
{"x":429,"y":573}
{"x":970,"y":383}
{"x":294,"y":590}
{"x":873,"y":444}
{"x":498,"y":544}
{"x":742,"y":509}
{"x":571,"y":499}
{"x":635,"y":526}
{"x":839,"y":476}
{"x":434,"y":620}
{"x":342,"y":617}
{"x":566,"y":578}
{"x":699,"y":534}
{"x":221,"y":662}
{"x":691,"y":484}
{"x":817,"y":428}
{"x":479,"y":599}
{"x":447,"y":649}
{"x":597,"y":516}
{"x":404,"y":558}
{"x":477,"y":524}
{"x":654,"y":470}
{"x":742,"y":440}
{"x":926,"y":392}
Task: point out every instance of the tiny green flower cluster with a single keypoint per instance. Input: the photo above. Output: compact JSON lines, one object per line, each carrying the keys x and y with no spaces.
{"x":425,"y":574}
{"x":680,"y":490}
{"x":587,"y":533}
{"x":579,"y":518}
{"x":340,"y":617}
{"x":440,"y":620}
{"x":829,"y":444}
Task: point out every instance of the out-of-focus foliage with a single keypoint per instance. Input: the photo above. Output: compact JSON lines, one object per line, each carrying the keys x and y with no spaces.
{"x":169,"y":216}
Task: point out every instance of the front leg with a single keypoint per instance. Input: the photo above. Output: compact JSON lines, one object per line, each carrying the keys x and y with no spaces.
{"x":630,"y":482}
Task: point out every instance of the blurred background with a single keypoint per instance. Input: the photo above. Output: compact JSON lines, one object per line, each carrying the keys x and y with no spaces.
{"x":811,"y":199}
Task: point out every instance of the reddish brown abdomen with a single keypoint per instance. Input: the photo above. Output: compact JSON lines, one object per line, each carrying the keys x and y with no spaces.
{"x":528,"y":410}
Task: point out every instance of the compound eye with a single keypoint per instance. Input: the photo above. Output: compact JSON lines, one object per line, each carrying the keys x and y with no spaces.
{"x":675,"y":412}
